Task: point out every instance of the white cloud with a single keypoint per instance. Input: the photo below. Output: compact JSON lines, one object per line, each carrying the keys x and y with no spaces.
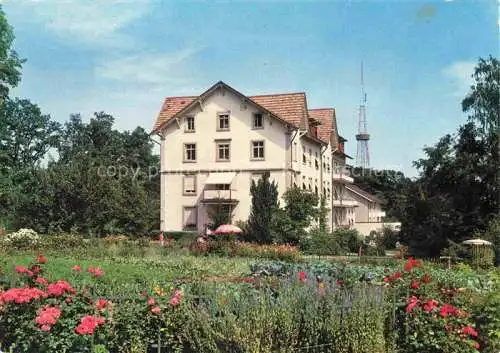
{"x":461,"y":73}
{"x":149,"y":68}
{"x":93,"y":22}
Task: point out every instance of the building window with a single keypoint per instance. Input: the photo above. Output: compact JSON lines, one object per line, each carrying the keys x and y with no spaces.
{"x":294,"y":152}
{"x":223,"y":154}
{"x":190,"y":124}
{"x":257,"y":149}
{"x":189,"y":185}
{"x":223,"y":122}
{"x":310,"y":157}
{"x":304,"y":158}
{"x":316,"y":190}
{"x":189,"y":216}
{"x":258,"y":121}
{"x":303,"y":186}
{"x":190,"y":152}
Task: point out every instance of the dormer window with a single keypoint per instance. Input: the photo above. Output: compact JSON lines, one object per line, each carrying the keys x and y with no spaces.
{"x":258,"y":121}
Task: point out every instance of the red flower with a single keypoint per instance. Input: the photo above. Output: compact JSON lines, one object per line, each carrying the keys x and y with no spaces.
{"x":302,"y":276}
{"x":447,"y":310}
{"x":176,"y":297}
{"x":47,"y":317}
{"x":88,"y":324}
{"x":36,"y":269}
{"x":156,"y":310}
{"x":414,"y":284}
{"x":96,"y":271}
{"x":68,"y":300}
{"x":412,"y":263}
{"x":476,"y":345}
{"x":412,"y":303}
{"x":101,"y":304}
{"x":41,"y":259}
{"x":22,"y":269}
{"x":59,"y":288}
{"x":469,"y":331}
{"x":426,"y":278}
{"x":430,"y":305}
{"x":397,"y":275}
{"x":77,"y":268}
{"x":41,"y":281}
{"x":21,"y":295}
{"x":151,"y":301}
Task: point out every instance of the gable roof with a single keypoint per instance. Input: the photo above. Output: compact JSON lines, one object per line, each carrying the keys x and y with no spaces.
{"x":327,"y":131}
{"x":291,"y":108}
{"x":366,"y":195}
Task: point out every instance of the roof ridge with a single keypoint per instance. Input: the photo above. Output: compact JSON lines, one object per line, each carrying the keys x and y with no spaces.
{"x":276,"y":94}
{"x":180,"y":97}
{"x":321,"y":109}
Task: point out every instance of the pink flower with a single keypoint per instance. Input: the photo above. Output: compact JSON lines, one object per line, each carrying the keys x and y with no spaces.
{"x":412,"y":303}
{"x":88,"y":324}
{"x":151,"y":301}
{"x":48,"y":315}
{"x":22,"y":269}
{"x":447,"y":310}
{"x":45,"y":328}
{"x":59,"y":288}
{"x":469,"y":331}
{"x":156,"y":310}
{"x":302,"y":276}
{"x":96,"y":271}
{"x":101,"y":304}
{"x":21,"y":295}
{"x":476,"y":345}
{"x":77,"y":268}
{"x":41,"y":281}
{"x":176,"y":297}
{"x":430,"y":305}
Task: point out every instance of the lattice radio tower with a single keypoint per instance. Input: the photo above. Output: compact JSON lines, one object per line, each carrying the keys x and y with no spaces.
{"x":362,"y":154}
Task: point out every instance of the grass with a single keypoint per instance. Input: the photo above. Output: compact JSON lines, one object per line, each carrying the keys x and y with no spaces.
{"x":130,"y":275}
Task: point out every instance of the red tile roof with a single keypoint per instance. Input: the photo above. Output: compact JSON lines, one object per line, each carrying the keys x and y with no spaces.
{"x":170,"y":107}
{"x":291,"y":107}
{"x":325,"y":116}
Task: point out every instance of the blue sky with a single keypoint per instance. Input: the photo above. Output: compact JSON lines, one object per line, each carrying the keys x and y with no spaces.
{"x":124,"y":57}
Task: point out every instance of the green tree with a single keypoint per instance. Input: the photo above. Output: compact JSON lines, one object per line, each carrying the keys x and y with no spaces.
{"x":290,"y":223}
{"x":389,"y":185}
{"x":264,"y":205}
{"x":10,"y":63}
{"x":457,"y":191}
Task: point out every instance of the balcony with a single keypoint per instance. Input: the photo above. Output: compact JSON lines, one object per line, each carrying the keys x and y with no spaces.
{"x":218,"y":196}
{"x":377,"y":214}
{"x":342,"y":178}
{"x":344,"y":203}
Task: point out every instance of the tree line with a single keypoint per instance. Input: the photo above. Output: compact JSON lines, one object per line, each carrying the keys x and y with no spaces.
{"x":455,"y":196}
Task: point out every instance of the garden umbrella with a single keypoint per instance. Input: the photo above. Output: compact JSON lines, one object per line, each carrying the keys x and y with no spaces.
{"x":227,"y":229}
{"x":477,"y":242}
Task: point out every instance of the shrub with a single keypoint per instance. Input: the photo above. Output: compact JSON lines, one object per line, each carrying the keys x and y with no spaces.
{"x":22,"y":239}
{"x":319,"y":242}
{"x":349,"y":239}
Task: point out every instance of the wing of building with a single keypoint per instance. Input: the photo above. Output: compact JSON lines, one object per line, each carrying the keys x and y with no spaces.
{"x":213,"y":146}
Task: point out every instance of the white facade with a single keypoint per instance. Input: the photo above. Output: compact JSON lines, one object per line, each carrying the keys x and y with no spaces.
{"x":212,"y":146}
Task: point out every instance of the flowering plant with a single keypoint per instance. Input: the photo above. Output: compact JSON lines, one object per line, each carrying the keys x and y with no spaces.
{"x":433,"y":317}
{"x":22,"y":239}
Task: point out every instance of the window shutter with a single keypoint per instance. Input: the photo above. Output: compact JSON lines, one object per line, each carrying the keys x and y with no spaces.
{"x":189,"y":184}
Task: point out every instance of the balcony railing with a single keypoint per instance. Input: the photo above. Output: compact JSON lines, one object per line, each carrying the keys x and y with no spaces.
{"x":344,"y":203}
{"x":342,"y":178}
{"x":210,"y":195}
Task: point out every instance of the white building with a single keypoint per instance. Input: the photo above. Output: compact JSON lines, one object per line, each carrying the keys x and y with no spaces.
{"x":213,"y":145}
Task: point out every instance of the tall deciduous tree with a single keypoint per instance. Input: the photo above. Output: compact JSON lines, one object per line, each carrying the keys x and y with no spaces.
{"x":457,"y":193}
{"x":10,"y":63}
{"x":264,"y":205}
